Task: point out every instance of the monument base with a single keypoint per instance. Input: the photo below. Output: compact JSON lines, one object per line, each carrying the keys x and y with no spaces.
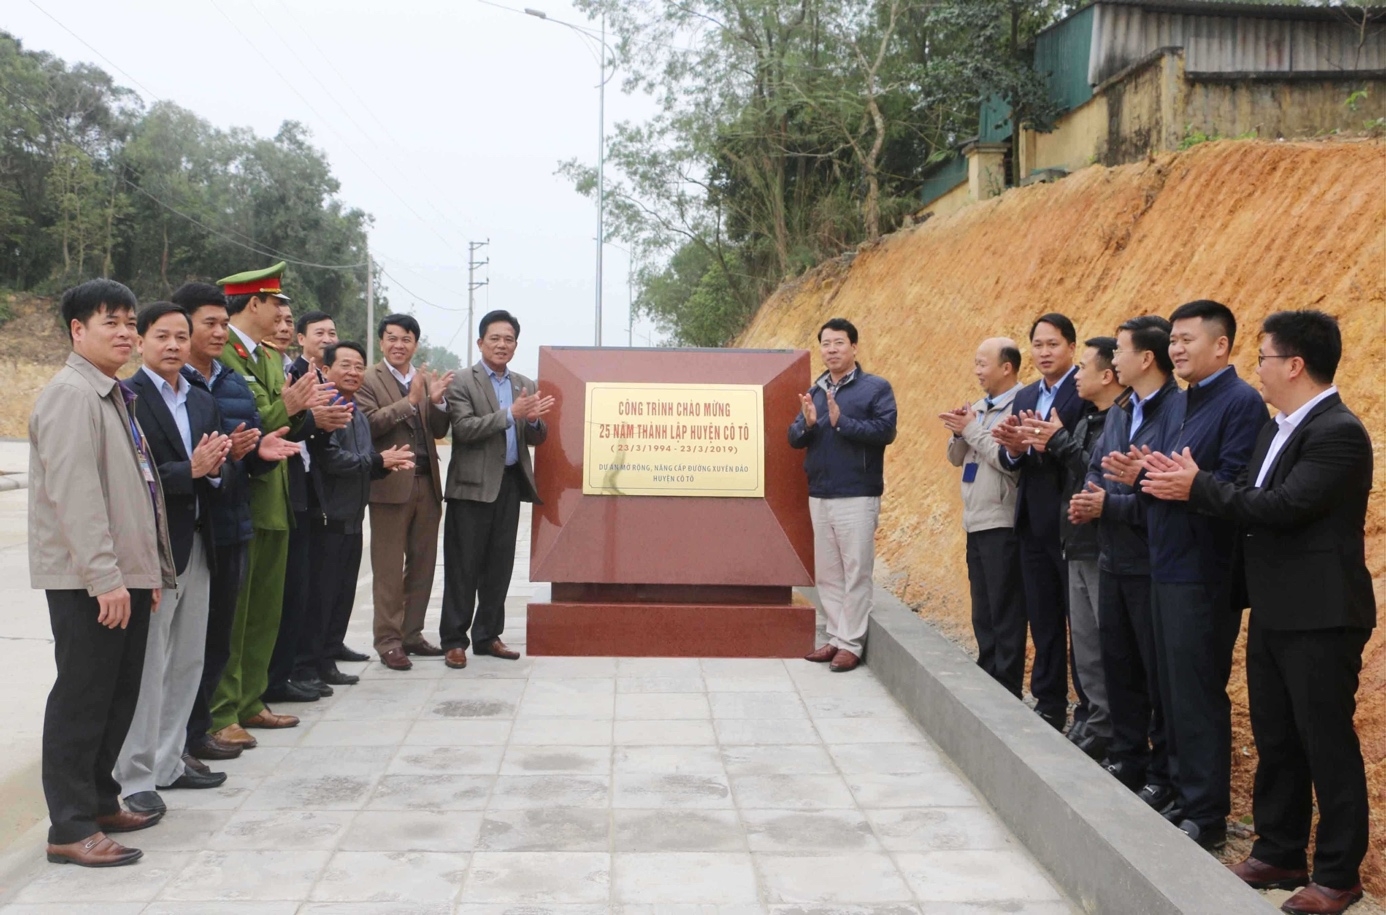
{"x":615,"y":621}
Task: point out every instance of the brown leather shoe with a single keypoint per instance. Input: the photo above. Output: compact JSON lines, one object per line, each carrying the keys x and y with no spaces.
{"x":211,"y":748}
{"x":96,"y":850}
{"x":456,"y":658}
{"x":424,"y":649}
{"x":195,"y":764}
{"x":1259,"y":875}
{"x":395,"y":659}
{"x":498,"y":649}
{"x":1321,"y":900}
{"x":235,"y":735}
{"x":844,"y":661}
{"x":127,"y":821}
{"x":822,"y":654}
{"x":270,"y":721}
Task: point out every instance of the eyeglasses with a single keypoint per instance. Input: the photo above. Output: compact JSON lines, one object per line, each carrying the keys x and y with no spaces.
{"x":1262,"y":357}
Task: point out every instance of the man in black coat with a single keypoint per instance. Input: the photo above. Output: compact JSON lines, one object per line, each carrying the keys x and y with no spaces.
{"x":1302,"y":505}
{"x":183,"y":428}
{"x":1039,"y":502}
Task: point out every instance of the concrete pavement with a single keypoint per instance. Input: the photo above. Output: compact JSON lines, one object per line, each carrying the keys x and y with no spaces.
{"x":564,"y":785}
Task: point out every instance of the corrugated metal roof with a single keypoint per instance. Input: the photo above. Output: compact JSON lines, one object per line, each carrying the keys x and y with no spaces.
{"x":943,"y":176}
{"x":1230,"y":41}
{"x":1061,"y":57}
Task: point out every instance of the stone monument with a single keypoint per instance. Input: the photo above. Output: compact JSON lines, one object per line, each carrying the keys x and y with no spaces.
{"x":675,"y":515}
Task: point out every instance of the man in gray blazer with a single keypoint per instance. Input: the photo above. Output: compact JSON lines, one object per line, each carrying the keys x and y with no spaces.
{"x":495,"y":415}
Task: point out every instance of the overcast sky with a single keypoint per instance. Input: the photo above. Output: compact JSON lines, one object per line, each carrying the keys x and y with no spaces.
{"x":444,"y":119}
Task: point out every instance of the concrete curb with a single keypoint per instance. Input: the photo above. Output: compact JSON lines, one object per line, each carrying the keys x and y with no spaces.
{"x":1099,"y":842}
{"x":11,"y":481}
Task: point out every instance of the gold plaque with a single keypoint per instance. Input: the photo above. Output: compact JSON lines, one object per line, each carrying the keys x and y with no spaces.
{"x":673,"y":440}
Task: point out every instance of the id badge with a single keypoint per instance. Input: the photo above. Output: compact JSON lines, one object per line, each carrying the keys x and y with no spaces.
{"x":969,"y":471}
{"x":145,"y":470}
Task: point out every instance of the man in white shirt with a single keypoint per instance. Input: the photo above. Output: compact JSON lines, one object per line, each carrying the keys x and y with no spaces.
{"x":183,"y":427}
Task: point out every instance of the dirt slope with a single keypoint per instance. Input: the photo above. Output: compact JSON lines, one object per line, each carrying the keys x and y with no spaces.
{"x":1260,"y":226}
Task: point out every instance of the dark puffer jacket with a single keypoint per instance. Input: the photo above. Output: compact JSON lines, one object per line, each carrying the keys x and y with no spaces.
{"x":849,"y":460}
{"x":231,"y":510}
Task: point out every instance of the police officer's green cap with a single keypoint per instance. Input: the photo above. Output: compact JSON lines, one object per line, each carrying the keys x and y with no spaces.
{"x":255,"y":282}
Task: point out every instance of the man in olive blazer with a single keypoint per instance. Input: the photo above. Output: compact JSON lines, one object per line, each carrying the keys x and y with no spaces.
{"x":405,"y":405}
{"x":496,"y":414}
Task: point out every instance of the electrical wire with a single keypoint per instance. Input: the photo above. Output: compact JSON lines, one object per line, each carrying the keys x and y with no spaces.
{"x":89,"y":47}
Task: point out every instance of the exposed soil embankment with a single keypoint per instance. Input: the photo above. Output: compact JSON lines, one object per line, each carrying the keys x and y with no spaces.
{"x":1260,"y":226}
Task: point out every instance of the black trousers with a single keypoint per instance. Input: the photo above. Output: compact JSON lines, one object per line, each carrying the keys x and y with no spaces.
{"x":335,"y":561}
{"x":998,"y":606}
{"x":1133,"y":685}
{"x":221,"y":616}
{"x":1195,"y":634}
{"x":1302,"y":688}
{"x":478,"y":557}
{"x":1045,"y":574}
{"x":89,"y":709}
{"x":297,"y":594}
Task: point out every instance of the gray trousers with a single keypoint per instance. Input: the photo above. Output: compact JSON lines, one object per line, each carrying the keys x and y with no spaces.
{"x":153,"y":751}
{"x":844,"y":555}
{"x":1087,"y":642}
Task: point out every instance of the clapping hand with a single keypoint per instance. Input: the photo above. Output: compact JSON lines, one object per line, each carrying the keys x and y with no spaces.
{"x":306,"y":393}
{"x":957,"y":420}
{"x":243,"y":441}
{"x":530,"y":407}
{"x":274,"y":447}
{"x":1037,"y":431}
{"x":400,"y":457}
{"x":809,"y":410}
{"x":1125,"y":468}
{"x":1170,"y":477}
{"x":438,"y":385}
{"x":208,"y":456}
{"x":331,"y":417}
{"x":1086,"y":505}
{"x":1009,"y":433}
{"x":834,"y":411}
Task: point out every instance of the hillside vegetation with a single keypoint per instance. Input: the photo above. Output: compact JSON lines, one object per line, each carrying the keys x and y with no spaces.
{"x":1260,"y":226}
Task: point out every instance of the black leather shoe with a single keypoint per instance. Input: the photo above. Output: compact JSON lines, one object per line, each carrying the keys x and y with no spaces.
{"x":290,"y":691}
{"x":1161,"y":798}
{"x":146,"y":802}
{"x":1055,"y":720}
{"x":346,"y":654}
{"x":336,"y":678}
{"x":1125,"y":774}
{"x":1094,"y":745}
{"x":316,"y":685}
{"x":191,"y":778}
{"x":1210,"y":837}
{"x":1078,"y":730}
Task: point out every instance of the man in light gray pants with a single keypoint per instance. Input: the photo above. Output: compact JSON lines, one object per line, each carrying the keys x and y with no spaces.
{"x":1097,"y":384}
{"x":183,"y":427}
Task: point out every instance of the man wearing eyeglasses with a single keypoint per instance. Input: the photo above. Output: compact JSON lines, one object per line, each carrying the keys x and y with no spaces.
{"x":1302,"y":504}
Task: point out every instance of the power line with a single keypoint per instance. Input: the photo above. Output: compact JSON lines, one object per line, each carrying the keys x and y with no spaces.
{"x":89,"y":47}
{"x":407,"y":291}
{"x":327,"y":124}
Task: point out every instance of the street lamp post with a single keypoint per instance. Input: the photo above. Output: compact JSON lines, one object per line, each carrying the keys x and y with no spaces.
{"x":601,"y":150}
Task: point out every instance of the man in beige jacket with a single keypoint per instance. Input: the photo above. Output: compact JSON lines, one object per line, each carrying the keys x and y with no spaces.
{"x":99,"y":547}
{"x":989,"y":493}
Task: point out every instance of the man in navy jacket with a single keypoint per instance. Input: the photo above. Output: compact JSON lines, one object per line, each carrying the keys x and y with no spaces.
{"x":183,"y":429}
{"x":1302,"y":504}
{"x":1039,"y":504}
{"x":1196,"y":593}
{"x":845,"y":421}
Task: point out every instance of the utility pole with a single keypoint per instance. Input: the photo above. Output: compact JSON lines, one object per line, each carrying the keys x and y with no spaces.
{"x":472,"y":286}
{"x":370,"y":306}
{"x":601,"y":176}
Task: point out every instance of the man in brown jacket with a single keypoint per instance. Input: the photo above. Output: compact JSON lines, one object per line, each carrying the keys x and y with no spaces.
{"x":405,"y":406}
{"x":99,"y":547}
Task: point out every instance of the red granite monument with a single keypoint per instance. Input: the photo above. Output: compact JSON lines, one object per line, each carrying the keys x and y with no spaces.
{"x":675,"y":520}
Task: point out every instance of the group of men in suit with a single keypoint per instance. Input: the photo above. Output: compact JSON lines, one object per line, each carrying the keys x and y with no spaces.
{"x":225,"y":485}
{"x":1202,"y":505}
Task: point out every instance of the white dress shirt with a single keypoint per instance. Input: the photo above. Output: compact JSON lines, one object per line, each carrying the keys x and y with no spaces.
{"x":1287,"y":426}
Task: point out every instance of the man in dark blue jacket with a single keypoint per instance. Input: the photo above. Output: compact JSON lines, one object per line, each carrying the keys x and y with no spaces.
{"x":231,"y":527}
{"x":1053,"y":341}
{"x":1196,"y":600}
{"x":845,"y":421}
{"x":1137,"y":754}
